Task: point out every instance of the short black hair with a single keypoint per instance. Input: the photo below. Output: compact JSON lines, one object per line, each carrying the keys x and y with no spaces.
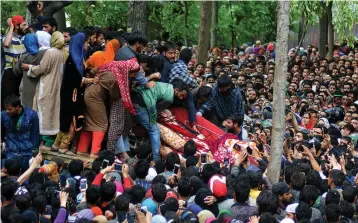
{"x":122,"y":203}
{"x":89,"y":31}
{"x":298,"y":180}
{"x":23,"y":202}
{"x":39,"y":204}
{"x":167,"y":46}
{"x":242,"y":191}
{"x":12,"y":100}
{"x":189,"y":148}
{"x":303,"y":212}
{"x":72,"y":31}
{"x":159,"y":192}
{"x":337,"y":177}
{"x":75,"y":167}
{"x":92,"y":194}
{"x":185,"y":55}
{"x":107,"y":191}
{"x":224,"y":81}
{"x":267,"y":202}
{"x":179,"y":84}
{"x":309,"y":194}
{"x":143,"y":151}
{"x":347,"y":209}
{"x":12,"y":167}
{"x":141,"y":168}
{"x":236,"y":119}
{"x":138,"y":194}
{"x":349,"y":193}
{"x":333,"y":197}
{"x":208,"y":171}
{"x":332,"y":213}
{"x":8,"y":189}
{"x":137,"y":37}
{"x":184,"y":187}
{"x":170,"y":161}
{"x":313,"y":178}
{"x":159,"y":179}
{"x":288,"y":172}
{"x":191,"y":161}
{"x":49,"y":20}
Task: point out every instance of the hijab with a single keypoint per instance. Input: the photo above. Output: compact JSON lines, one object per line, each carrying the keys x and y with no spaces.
{"x":101,"y":58}
{"x":121,"y":69}
{"x":30,"y":42}
{"x":57,"y":41}
{"x":77,"y":51}
{"x":43,"y":39}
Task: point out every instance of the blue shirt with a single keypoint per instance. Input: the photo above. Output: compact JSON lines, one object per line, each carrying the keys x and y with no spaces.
{"x":145,"y":184}
{"x":23,"y":137}
{"x":180,"y":70}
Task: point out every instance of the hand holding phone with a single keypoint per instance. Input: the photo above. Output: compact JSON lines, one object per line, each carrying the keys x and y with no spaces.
{"x":203,"y":157}
{"x":118,"y":167}
{"x":104,"y":164}
{"x":83,"y":184}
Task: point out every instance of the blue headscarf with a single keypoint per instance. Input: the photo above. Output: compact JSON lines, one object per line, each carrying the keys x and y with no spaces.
{"x":77,"y":51}
{"x":30,"y":42}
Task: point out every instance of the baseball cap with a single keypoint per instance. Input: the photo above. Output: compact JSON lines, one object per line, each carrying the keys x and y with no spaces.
{"x":280,"y":188}
{"x":217,"y":185}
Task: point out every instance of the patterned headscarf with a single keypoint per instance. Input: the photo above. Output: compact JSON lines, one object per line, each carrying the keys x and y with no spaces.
{"x":30,"y":42}
{"x":121,"y":69}
{"x":77,"y":51}
{"x":101,"y":58}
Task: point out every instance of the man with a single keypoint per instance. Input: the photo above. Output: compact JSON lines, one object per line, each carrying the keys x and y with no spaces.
{"x":234,"y":125}
{"x":67,"y":33}
{"x":90,"y":34}
{"x":168,"y":57}
{"x":136,"y":43}
{"x":180,"y":69}
{"x":145,"y":100}
{"x":225,"y":100}
{"x":20,"y":125}
{"x":284,"y":196}
{"x":49,"y":25}
{"x":13,"y":48}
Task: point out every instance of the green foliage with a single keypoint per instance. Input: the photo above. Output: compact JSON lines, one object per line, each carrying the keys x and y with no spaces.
{"x":111,"y":14}
{"x":9,"y":9}
{"x":344,"y":19}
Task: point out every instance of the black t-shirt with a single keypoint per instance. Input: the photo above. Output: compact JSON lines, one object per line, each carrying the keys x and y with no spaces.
{"x":8,"y":211}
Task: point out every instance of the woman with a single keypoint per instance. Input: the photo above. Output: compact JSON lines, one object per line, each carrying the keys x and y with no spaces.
{"x":33,"y":55}
{"x":113,"y":85}
{"x":100,"y":58}
{"x":72,"y":103}
{"x":307,"y":122}
{"x":47,"y":95}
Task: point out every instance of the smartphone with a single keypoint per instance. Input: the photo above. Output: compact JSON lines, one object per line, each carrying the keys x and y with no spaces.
{"x":176,"y":168}
{"x":203,"y":158}
{"x":62,"y":180}
{"x":46,"y":162}
{"x":118,"y":167}
{"x":249,"y":150}
{"x":226,"y":162}
{"x":144,"y":209}
{"x":83,"y":184}
{"x":71,"y":219}
{"x":104,"y":164}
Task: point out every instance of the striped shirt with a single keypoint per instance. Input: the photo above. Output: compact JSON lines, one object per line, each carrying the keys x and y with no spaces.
{"x":13,"y":52}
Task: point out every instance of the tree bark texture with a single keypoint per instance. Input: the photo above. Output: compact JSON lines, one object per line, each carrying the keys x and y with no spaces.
{"x":138,"y":16}
{"x":204,"y":31}
{"x":186,"y":12}
{"x":278,"y":119}
{"x":215,"y":21}
{"x":330,"y":31}
{"x":323,"y":37}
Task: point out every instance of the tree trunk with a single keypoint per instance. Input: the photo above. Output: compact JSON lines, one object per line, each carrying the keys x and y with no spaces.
{"x":278,"y":119}
{"x":323,"y":37}
{"x":215,"y":21}
{"x":330,"y":31}
{"x":138,"y":16}
{"x":186,"y":12}
{"x":301,"y":28}
{"x":61,"y":19}
{"x":204,"y":31}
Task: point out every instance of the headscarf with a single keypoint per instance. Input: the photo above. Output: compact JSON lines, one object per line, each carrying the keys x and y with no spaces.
{"x":121,"y":69}
{"x":43,"y":39}
{"x":101,"y":58}
{"x":30,"y":42}
{"x":77,"y":51}
{"x":58,"y":41}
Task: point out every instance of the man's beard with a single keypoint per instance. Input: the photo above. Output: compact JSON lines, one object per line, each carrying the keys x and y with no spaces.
{"x":251,"y":101}
{"x":21,"y":32}
{"x":230,"y":130}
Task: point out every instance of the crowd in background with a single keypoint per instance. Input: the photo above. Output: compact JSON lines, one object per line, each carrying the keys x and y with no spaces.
{"x":202,"y":132}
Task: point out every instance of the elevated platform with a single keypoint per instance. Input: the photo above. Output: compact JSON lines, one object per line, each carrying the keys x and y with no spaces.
{"x":47,"y":155}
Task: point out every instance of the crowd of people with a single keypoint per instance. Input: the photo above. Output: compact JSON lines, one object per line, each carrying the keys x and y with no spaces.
{"x":204,"y":130}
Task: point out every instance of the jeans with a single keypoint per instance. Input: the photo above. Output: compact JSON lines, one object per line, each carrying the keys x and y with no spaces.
{"x":21,"y":159}
{"x":153,"y":130}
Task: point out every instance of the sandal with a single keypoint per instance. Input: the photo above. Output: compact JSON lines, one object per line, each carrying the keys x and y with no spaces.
{"x":55,"y":148}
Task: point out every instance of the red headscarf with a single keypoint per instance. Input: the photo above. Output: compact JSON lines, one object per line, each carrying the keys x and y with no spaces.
{"x":121,"y":69}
